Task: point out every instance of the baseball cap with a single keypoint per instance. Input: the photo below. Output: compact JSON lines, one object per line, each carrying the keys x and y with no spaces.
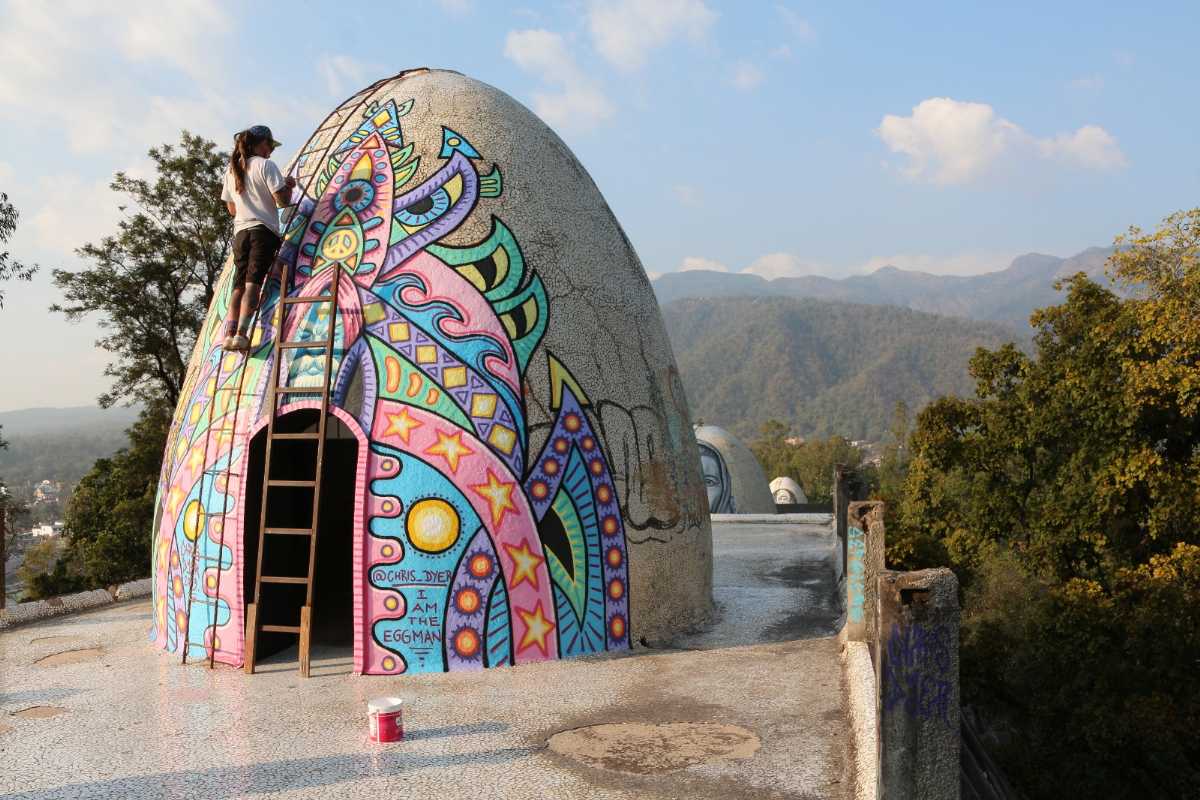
{"x":263,"y":132}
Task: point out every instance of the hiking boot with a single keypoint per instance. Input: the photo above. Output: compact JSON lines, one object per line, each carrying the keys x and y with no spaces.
{"x":238,"y":343}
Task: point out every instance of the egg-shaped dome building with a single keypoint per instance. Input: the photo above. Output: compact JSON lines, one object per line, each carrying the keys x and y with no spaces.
{"x":787,"y":492}
{"x":733,"y":478}
{"x":506,"y":470}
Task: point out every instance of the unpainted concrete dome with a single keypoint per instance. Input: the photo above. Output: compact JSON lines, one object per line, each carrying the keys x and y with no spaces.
{"x":733,"y":477}
{"x":514,"y":475}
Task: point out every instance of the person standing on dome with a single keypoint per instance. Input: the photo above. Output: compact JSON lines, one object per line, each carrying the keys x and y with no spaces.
{"x":254,"y":190}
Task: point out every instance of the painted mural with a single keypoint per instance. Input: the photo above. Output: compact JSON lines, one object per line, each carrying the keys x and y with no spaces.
{"x":716,"y":480}
{"x":471,"y":551}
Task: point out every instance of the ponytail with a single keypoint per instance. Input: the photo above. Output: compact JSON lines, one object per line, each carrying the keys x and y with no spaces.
{"x":237,"y":164}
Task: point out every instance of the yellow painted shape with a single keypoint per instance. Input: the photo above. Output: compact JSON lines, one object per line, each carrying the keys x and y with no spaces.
{"x":432,"y":525}
{"x":426,"y":354}
{"x":503,"y":438}
{"x":373,"y":312}
{"x":398,"y":331}
{"x":453,"y":377}
{"x":483,"y":405}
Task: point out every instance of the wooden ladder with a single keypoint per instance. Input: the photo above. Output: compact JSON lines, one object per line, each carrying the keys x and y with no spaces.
{"x":303,"y":628}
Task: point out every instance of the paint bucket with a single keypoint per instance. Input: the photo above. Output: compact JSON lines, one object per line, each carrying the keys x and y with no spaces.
{"x":384,"y":716}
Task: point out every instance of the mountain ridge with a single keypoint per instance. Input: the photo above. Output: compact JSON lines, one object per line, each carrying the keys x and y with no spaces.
{"x":1007,"y":295}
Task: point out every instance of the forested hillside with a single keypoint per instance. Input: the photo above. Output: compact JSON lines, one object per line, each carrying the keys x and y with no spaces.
{"x":821,"y":367}
{"x":59,"y":444}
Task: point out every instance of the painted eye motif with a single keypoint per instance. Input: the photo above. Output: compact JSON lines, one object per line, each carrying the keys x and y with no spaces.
{"x":357,"y":194}
{"x":425,"y":210}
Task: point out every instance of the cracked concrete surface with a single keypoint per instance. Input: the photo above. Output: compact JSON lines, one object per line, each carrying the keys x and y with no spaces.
{"x":137,"y":724}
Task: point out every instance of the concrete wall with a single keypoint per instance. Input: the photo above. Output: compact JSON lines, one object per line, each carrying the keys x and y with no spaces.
{"x":32,"y":611}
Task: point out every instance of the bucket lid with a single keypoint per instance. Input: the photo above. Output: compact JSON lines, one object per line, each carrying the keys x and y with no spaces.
{"x":384,"y":705}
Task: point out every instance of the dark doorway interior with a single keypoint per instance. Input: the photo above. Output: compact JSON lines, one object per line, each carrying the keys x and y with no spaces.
{"x":287,"y":555}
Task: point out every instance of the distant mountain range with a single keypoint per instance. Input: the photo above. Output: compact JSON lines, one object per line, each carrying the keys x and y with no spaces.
{"x":821,"y":367}
{"x":1007,"y":295}
{"x":59,"y":444}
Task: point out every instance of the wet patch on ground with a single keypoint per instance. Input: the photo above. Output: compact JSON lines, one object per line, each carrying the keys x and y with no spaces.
{"x":646,"y":749}
{"x":70,"y":657}
{"x":39,"y":712}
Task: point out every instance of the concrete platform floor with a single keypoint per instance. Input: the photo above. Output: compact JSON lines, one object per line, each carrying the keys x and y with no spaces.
{"x":89,"y":710}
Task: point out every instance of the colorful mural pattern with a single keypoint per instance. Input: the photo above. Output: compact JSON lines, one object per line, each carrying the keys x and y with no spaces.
{"x":471,"y":553}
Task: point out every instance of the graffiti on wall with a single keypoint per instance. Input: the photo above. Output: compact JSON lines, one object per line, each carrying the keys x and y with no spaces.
{"x":856,"y":574}
{"x":472,"y":551}
{"x":916,"y":671}
{"x":716,"y":480}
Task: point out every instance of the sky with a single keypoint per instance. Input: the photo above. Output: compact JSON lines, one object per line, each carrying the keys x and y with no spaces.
{"x":779,"y":138}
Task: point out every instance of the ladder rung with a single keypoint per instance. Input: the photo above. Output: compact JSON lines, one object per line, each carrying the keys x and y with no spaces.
{"x":281,"y":628}
{"x":304,"y":435}
{"x":290,"y":531}
{"x":298,"y":390}
{"x":283,"y":579}
{"x":319,"y":298}
{"x":310,"y":345}
{"x":301,"y":484}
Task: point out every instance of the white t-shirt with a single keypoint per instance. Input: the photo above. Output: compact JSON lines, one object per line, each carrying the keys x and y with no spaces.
{"x":256,"y":203}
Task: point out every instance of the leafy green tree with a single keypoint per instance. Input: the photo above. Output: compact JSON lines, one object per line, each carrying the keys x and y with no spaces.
{"x":10,"y":269}
{"x":1065,"y":495}
{"x":809,"y":463}
{"x":151,"y":283}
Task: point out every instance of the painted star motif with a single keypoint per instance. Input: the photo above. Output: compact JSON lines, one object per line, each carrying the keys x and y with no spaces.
{"x":537,"y":627}
{"x":498,"y":494}
{"x":451,"y":448}
{"x":174,"y":499}
{"x":401,"y":424}
{"x":525,"y":564}
{"x":196,"y":459}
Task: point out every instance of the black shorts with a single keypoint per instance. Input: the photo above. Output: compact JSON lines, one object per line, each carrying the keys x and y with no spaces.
{"x":253,"y":251}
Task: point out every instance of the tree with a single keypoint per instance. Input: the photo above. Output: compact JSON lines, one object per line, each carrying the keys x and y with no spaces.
{"x":152,"y":282}
{"x":10,"y":269}
{"x":1066,"y":495}
{"x":809,"y":463}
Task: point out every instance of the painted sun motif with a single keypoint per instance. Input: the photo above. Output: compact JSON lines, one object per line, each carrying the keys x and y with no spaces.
{"x":433,"y":525}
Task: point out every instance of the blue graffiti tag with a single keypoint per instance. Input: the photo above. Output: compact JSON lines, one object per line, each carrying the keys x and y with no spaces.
{"x":917,"y":671}
{"x":856,"y":574}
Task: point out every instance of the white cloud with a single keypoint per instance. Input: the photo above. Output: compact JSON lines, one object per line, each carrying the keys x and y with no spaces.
{"x":625,"y":31}
{"x":72,"y":212}
{"x":746,"y":76}
{"x":1090,"y":147}
{"x":341,"y":72}
{"x":782,"y":52}
{"x":782,"y":265}
{"x":947,"y":142}
{"x":576,"y":102}
{"x":691,"y":263}
{"x":798,"y":25}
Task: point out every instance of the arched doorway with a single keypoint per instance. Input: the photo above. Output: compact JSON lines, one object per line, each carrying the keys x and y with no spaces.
{"x":333,"y":578}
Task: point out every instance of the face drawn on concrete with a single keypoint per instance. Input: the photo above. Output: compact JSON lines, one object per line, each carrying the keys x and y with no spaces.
{"x":716,"y":481}
{"x":783,"y":497}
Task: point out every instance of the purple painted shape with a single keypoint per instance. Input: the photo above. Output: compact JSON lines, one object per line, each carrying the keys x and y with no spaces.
{"x":607,"y":512}
{"x":406,"y":248}
{"x":457,"y":621}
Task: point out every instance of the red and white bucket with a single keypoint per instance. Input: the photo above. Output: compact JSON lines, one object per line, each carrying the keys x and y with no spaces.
{"x":386,"y":720}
